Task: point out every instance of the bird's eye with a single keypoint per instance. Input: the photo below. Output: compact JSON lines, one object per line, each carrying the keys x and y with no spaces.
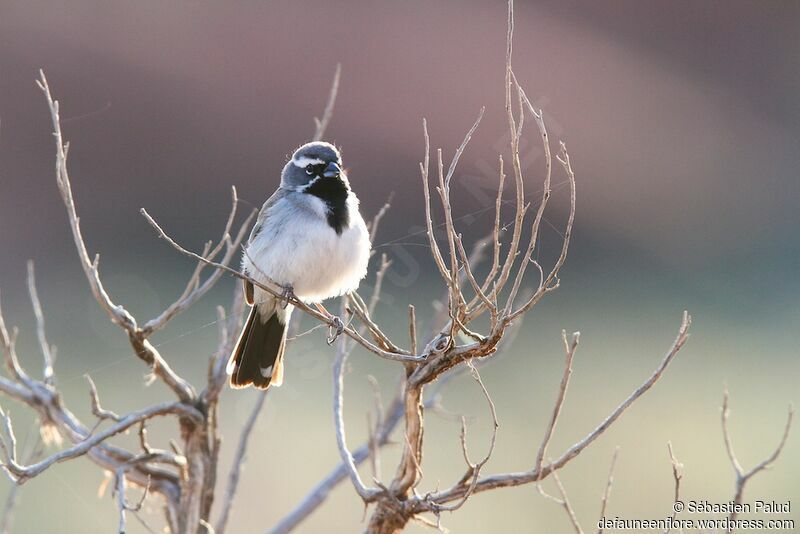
{"x":309,"y":170}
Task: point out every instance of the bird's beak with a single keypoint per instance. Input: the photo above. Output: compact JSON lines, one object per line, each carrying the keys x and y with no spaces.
{"x":332,"y":170}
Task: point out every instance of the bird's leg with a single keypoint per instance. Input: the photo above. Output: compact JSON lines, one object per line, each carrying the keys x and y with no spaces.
{"x":286,"y":294}
{"x":335,"y":322}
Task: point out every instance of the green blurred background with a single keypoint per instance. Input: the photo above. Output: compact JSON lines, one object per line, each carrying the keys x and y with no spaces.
{"x":682,"y":124}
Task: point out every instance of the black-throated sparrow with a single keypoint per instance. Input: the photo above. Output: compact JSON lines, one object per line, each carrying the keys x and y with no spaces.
{"x":310,"y":238}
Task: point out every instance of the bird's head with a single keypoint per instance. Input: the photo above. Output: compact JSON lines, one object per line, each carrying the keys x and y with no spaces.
{"x":311,"y":163}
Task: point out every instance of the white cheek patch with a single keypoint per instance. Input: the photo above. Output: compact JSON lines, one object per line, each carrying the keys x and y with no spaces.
{"x":303,"y":161}
{"x":304,"y":188}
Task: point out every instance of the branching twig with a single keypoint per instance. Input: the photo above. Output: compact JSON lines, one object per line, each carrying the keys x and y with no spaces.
{"x":677,"y":476}
{"x":569,"y":349}
{"x":117,"y":314}
{"x":607,"y":491}
{"x":474,"y":470}
{"x":194,"y":289}
{"x":98,"y":410}
{"x":122,"y":501}
{"x":526,"y":477}
{"x":563,"y":501}
{"x":20,"y":473}
{"x":742,"y":476}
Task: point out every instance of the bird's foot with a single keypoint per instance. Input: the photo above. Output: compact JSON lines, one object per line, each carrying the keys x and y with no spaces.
{"x":335,"y":329}
{"x":286,"y":295}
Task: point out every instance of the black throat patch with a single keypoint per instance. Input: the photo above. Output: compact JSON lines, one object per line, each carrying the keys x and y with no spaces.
{"x":333,"y":191}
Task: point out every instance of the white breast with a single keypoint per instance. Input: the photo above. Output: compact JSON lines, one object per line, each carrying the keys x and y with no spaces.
{"x":296,"y":246}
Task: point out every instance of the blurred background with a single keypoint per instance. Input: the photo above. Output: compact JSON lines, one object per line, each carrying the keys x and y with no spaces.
{"x":683,"y":124}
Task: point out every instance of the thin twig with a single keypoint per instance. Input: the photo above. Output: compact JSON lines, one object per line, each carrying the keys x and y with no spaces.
{"x":569,"y":349}
{"x":563,"y":501}
{"x":742,"y":476}
{"x":526,"y":477}
{"x":376,"y":221}
{"x":194,"y":289}
{"x":117,"y":314}
{"x":412,"y":328}
{"x":122,"y":502}
{"x":677,"y":476}
{"x":607,"y":491}
{"x":98,"y":410}
{"x":48,"y":352}
{"x":322,"y":124}
{"x":367,"y":494}
{"x":20,"y":473}
{"x":474,"y":470}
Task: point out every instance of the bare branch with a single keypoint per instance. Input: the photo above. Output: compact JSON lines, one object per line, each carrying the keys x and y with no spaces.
{"x":520,"y":207}
{"x":51,"y":409}
{"x":474,"y":470}
{"x":117,"y":314}
{"x":229,"y":327}
{"x":376,"y":292}
{"x":677,"y":476}
{"x":742,"y":476}
{"x":548,"y":284}
{"x":322,"y":124}
{"x":609,"y":483}
{"x":545,"y":196}
{"x":48,"y":352}
{"x":683,"y":335}
{"x":376,"y":221}
{"x":412,"y":328}
{"x":360,"y":309}
{"x":320,"y":492}
{"x":98,"y":410}
{"x":35,"y":450}
{"x":194,"y":289}
{"x":372,"y":440}
{"x":122,"y":501}
{"x":569,"y":349}
{"x":479,"y":292}
{"x":496,"y":229}
{"x":424,"y":171}
{"x":526,"y":477}
{"x":20,"y":473}
{"x":567,"y":506}
{"x":9,"y":342}
{"x":456,"y":298}
{"x":367,"y":494}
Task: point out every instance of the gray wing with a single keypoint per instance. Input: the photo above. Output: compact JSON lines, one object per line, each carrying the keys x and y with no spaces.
{"x":264,"y":216}
{"x":265,"y":213}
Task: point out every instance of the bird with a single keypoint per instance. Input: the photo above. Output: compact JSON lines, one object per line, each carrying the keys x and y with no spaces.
{"x":309,"y":238}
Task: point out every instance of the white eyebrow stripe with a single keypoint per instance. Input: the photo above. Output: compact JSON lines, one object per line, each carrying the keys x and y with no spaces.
{"x":303,"y":161}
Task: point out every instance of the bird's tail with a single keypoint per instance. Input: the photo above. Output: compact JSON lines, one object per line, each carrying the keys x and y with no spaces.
{"x":257,"y":357}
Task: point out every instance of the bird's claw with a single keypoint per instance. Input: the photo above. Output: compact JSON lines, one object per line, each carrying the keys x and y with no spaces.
{"x":286,"y":294}
{"x":337,"y":324}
